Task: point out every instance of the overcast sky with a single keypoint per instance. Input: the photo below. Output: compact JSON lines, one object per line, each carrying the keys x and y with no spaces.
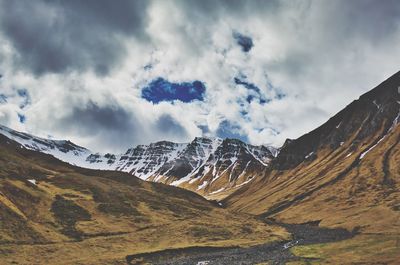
{"x":112,"y":74}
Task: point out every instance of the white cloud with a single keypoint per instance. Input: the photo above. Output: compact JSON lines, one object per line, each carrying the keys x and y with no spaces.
{"x":318,"y":56}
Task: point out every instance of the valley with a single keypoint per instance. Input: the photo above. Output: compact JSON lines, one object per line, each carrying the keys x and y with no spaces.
{"x":270,"y":253}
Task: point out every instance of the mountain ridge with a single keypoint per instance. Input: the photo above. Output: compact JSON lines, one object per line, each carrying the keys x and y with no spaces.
{"x":332,"y":130}
{"x":195,"y":166}
{"x":350,"y":162}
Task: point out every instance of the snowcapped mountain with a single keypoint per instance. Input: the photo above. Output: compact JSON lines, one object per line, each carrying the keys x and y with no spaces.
{"x":209,"y":166}
{"x":61,"y":149}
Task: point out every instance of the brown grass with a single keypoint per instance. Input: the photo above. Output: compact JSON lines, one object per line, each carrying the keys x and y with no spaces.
{"x":359,"y":198}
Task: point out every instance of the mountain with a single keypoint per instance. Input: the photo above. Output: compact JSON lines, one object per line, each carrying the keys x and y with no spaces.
{"x":344,"y":173}
{"x":54,"y":213}
{"x":61,"y":149}
{"x":209,"y":166}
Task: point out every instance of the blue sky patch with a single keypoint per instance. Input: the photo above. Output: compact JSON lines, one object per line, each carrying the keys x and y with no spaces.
{"x":227,"y":129}
{"x":160,"y":90}
{"x":204,"y":129}
{"x":26,"y":98}
{"x":22,"y":118}
{"x":243,"y":41}
{"x":254,"y":91}
{"x":3,"y":98}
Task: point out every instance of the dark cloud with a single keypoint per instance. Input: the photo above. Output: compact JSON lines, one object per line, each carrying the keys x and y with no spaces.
{"x":61,"y":36}
{"x":212,"y":9}
{"x":364,"y":19}
{"x":167,"y":125}
{"x":111,"y":125}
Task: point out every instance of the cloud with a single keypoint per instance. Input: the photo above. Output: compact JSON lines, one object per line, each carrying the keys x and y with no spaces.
{"x":111,"y":124}
{"x":111,"y":127}
{"x":62,"y":36}
{"x":91,"y":69}
{"x":169,"y":126}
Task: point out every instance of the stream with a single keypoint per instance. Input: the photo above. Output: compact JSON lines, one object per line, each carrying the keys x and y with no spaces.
{"x":274,"y":253}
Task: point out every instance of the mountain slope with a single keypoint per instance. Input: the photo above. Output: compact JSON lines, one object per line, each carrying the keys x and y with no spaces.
{"x":55,"y":213}
{"x":209,"y":166}
{"x":345,"y":173}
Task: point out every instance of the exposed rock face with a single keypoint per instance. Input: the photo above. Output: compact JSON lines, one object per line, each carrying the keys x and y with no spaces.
{"x":212,"y":166}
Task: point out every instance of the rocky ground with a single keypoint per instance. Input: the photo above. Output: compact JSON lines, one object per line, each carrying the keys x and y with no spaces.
{"x":274,"y":253}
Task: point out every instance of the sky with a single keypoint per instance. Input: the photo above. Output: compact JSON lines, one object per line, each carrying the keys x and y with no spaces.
{"x":108,"y":75}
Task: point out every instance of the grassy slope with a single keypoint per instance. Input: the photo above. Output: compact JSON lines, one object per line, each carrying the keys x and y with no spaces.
{"x":342,"y":193}
{"x":79,"y":216}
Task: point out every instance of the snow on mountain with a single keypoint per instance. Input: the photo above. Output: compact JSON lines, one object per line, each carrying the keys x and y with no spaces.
{"x":205,"y":165}
{"x":61,"y":149}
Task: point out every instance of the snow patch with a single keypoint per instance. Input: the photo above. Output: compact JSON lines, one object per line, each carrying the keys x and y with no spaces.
{"x":203,"y":185}
{"x":33,"y":181}
{"x":395,"y":121}
{"x":366,"y":152}
{"x":217,"y":191}
{"x":376,"y":104}
{"x":244,"y":183}
{"x":310,"y":154}
{"x":180,"y":181}
{"x":274,"y":151}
